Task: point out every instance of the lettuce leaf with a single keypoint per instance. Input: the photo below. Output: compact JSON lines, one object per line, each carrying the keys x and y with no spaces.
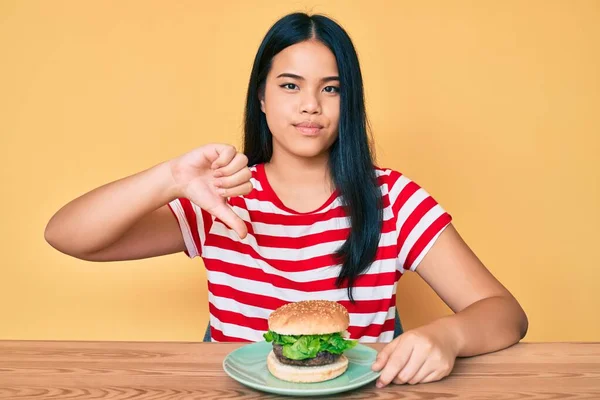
{"x":301,"y":347}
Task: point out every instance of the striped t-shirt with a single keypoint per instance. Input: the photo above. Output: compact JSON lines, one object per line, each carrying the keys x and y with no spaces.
{"x":289,"y":256}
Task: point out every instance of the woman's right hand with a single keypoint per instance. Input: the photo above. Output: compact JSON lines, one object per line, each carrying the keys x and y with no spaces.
{"x":208,"y":175}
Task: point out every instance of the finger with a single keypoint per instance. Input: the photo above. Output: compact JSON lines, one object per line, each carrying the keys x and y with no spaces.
{"x":239,"y":190}
{"x":240,"y":177}
{"x":395,"y":364}
{"x":230,"y":218}
{"x":432,"y":377}
{"x":236,"y":163}
{"x":417,"y":360}
{"x":384,"y":355}
{"x":225,"y":155}
{"x":424,"y":371}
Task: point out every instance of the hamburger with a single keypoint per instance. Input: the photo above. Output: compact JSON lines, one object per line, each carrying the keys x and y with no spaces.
{"x":308,"y":338}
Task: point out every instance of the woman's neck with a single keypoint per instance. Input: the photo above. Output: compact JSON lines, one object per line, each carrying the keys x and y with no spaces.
{"x":302,"y":184}
{"x":300,"y":171}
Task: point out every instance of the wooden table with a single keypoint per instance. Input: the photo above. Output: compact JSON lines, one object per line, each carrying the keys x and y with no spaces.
{"x":178,"y":371}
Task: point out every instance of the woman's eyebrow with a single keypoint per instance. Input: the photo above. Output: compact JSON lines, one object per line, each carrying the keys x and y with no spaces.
{"x":300,"y":78}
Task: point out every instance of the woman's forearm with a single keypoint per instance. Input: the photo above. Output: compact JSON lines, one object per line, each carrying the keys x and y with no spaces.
{"x":485,"y":326}
{"x":98,"y":218}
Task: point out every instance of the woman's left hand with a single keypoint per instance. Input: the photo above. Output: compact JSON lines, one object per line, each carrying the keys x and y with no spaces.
{"x":421,"y":355}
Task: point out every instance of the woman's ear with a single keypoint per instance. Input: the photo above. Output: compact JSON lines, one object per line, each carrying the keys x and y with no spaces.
{"x":262,"y":104}
{"x":261,"y":98}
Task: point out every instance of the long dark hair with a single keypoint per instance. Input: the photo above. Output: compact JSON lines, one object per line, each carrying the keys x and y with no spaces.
{"x":350,"y":158}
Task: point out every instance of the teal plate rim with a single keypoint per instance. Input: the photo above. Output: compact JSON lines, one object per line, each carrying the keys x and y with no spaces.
{"x":360,"y":359}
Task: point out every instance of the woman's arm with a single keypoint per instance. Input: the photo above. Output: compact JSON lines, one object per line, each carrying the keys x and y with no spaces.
{"x":487,"y":317}
{"x":130,"y":219}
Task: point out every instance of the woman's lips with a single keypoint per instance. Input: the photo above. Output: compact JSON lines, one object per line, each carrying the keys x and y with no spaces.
{"x":308,"y":131}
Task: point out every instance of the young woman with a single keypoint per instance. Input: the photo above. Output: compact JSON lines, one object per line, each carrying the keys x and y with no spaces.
{"x":303,"y":213}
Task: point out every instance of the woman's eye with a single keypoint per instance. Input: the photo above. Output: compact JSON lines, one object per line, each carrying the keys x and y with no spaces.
{"x":328,"y":89}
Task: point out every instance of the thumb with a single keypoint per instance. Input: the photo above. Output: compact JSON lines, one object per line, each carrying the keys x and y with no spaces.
{"x":384,"y":356}
{"x":230,"y":218}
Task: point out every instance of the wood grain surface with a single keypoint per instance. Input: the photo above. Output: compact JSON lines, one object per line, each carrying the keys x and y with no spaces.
{"x":186,"y":371}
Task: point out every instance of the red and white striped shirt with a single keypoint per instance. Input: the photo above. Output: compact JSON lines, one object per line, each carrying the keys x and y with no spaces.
{"x":288,"y":256}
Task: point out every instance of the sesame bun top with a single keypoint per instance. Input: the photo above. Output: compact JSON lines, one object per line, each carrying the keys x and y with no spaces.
{"x":309,"y":317}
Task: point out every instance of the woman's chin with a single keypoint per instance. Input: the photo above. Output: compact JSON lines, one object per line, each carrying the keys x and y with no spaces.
{"x":303,"y":147}
{"x":309,"y":151}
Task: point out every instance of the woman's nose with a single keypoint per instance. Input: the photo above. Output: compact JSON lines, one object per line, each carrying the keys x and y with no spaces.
{"x":310,"y":104}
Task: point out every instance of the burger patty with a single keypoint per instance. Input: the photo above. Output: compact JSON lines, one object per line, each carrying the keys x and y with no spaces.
{"x":322,"y":358}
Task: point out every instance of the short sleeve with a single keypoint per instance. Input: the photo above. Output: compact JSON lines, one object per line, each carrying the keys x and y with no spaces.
{"x":194,"y":223}
{"x":419,"y":220}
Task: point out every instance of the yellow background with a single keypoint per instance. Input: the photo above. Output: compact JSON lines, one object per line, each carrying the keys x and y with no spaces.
{"x":492,"y":106}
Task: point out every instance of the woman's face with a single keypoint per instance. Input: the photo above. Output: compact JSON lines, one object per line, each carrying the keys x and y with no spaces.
{"x":301,"y":100}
